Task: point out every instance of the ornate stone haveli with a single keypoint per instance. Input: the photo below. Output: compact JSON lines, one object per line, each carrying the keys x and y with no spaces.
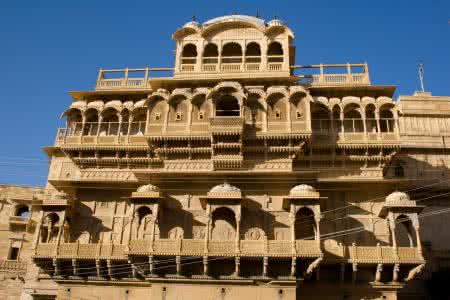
{"x":232,"y":178}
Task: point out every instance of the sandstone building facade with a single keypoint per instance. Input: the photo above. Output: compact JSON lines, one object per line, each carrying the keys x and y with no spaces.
{"x":239,"y":175}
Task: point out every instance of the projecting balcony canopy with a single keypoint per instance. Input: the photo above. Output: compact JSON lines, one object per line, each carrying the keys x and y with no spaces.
{"x":399,"y":202}
{"x":224,"y":192}
{"x":301,"y":193}
{"x":147,"y":192}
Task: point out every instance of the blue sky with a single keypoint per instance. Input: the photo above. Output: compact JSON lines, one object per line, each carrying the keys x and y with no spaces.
{"x":48,"y":48}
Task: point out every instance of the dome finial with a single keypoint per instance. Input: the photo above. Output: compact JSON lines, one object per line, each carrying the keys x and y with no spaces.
{"x":194,"y":18}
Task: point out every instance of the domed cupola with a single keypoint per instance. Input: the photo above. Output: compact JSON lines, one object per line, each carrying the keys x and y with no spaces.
{"x":397,"y":202}
{"x":147,"y":191}
{"x":303,"y":190}
{"x":275,"y":22}
{"x":398,"y":198}
{"x":225,"y":189}
{"x":302,"y":194}
{"x":192,"y":25}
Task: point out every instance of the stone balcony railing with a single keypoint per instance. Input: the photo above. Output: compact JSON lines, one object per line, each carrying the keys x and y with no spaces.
{"x":132,"y":79}
{"x":125,"y":79}
{"x":354,"y":74}
{"x":108,"y":133}
{"x":247,"y":248}
{"x":13,"y":267}
{"x":353,"y":131}
{"x":226,"y":125}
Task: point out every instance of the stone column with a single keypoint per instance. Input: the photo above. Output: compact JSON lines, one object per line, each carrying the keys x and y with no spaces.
{"x":61,"y":227}
{"x":418,"y":240}
{"x":199,"y":58}
{"x":292,"y":221}
{"x":395,"y":272}
{"x":238,"y":232}
{"x":293,"y":266}
{"x":178,"y":262}
{"x":317,"y":220}
{"x":377,"y":119}
{"x":37,"y":233}
{"x":130,"y":121}
{"x":391,"y":223}
{"x":205,"y":265}
{"x":265,"y":264}
{"x":208,"y":227}
{"x":130,"y":228}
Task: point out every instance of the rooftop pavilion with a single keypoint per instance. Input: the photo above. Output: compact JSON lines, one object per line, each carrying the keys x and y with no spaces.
{"x":258,"y":49}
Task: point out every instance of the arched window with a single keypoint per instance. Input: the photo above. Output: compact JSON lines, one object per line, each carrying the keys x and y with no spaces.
{"x":227,"y":106}
{"x":139,"y":121}
{"x":352,"y":119}
{"x":110,"y":122}
{"x":275,"y":52}
{"x":23,"y":212}
{"x":371,"y":123}
{"x":143,"y":212}
{"x":305,"y":224}
{"x":404,"y":232}
{"x":74,"y":122}
{"x":231,"y":53}
{"x":320,"y":118}
{"x":253,"y":53}
{"x":50,"y":233}
{"x":125,"y":122}
{"x":223,"y":224}
{"x":210,"y":54}
{"x":91,"y":122}
{"x":386,"y":121}
{"x":189,"y":54}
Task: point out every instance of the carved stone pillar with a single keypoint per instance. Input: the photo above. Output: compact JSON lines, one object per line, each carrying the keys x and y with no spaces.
{"x":418,"y":240}
{"x":395,"y":272}
{"x":378,"y":272}
{"x":205,"y":265}
{"x":265,"y":264}
{"x":151,"y":265}
{"x":152,"y":242}
{"x":56,"y":267}
{"x":37,"y":233}
{"x":238,"y":232}
{"x":208,"y":227}
{"x":292,"y":223}
{"x":75,"y":267}
{"x":98,"y":268}
{"x":237,"y":263}
{"x":61,"y":227}
{"x":391,"y":223}
{"x":130,"y":228}
{"x":354,"y":271}
{"x":377,"y":119}
{"x":178,"y":262}
{"x":130,"y":121}
{"x":293,"y":266}
{"x":317,"y":220}
{"x":363,"y":118}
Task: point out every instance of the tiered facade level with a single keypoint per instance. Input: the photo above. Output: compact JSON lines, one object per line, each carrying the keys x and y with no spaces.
{"x":239,"y":176}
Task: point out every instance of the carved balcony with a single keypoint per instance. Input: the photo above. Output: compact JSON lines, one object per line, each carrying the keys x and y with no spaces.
{"x":93,"y":133}
{"x":226,"y":125}
{"x":13,"y":267}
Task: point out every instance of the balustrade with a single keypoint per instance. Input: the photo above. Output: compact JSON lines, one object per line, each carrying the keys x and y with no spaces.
{"x":271,"y":248}
{"x":352,"y":129}
{"x":103,"y":132}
